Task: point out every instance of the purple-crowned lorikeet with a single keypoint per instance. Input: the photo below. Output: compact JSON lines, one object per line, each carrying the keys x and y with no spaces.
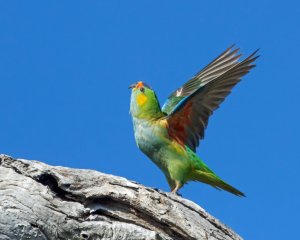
{"x":169,"y":135}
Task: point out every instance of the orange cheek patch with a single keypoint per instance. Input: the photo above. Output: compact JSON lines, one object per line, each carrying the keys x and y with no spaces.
{"x":141,"y":99}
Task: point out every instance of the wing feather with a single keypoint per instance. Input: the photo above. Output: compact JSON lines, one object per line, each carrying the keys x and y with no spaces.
{"x":189,"y":118}
{"x":217,"y":67}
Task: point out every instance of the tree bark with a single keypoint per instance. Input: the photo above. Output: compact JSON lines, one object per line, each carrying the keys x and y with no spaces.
{"x":38,"y":201}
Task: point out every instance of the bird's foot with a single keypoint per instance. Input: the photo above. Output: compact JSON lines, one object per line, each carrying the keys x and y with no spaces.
{"x":178,"y":194}
{"x":175,"y":191}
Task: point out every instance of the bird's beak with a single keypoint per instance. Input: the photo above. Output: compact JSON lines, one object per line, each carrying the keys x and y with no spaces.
{"x":132,"y":86}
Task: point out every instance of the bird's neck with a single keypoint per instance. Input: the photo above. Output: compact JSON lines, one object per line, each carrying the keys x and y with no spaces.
{"x":149,"y":111}
{"x":151,"y":114}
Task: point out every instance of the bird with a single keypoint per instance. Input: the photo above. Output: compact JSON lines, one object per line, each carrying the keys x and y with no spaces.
{"x":169,"y":135}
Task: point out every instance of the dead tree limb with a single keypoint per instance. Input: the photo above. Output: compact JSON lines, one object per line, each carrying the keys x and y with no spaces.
{"x":38,"y":201}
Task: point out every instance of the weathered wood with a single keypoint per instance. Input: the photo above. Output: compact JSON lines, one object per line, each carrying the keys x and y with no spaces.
{"x":38,"y":201}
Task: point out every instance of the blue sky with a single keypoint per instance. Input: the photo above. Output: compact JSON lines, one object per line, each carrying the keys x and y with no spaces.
{"x":65,"y":68}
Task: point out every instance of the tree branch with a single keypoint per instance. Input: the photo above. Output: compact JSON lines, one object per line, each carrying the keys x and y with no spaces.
{"x":38,"y":201}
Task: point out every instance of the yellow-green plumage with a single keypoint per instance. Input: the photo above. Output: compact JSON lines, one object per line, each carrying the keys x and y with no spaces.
{"x":169,"y":136}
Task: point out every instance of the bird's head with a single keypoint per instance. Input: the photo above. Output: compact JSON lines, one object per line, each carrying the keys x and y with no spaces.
{"x":143,"y":103}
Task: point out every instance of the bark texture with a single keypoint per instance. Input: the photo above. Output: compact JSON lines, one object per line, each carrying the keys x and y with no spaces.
{"x":38,"y":201}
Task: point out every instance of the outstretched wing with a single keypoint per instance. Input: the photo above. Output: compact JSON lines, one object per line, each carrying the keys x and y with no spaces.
{"x":217,"y":67}
{"x":203,"y":94}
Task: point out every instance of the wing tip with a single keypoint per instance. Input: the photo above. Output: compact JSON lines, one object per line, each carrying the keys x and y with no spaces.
{"x":253,"y":55}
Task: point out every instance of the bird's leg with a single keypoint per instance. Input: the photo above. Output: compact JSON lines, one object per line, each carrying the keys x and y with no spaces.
{"x":175,"y":190}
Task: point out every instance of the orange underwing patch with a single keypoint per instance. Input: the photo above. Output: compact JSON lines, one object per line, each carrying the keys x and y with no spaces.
{"x":177,"y":124}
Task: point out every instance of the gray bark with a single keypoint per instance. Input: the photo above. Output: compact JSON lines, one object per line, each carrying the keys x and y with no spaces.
{"x":38,"y":201}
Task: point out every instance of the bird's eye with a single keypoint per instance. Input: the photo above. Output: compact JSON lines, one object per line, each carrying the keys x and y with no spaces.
{"x":142,"y":89}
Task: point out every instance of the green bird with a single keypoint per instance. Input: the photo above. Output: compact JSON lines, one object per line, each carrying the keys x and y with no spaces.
{"x":169,"y":135}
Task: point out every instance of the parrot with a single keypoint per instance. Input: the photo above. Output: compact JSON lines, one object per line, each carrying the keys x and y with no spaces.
{"x":169,"y":135}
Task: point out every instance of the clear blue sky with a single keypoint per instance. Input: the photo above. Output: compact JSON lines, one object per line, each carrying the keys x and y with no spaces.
{"x":65,"y":68}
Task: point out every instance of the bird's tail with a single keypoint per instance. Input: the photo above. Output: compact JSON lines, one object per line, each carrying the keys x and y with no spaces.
{"x":213,"y":180}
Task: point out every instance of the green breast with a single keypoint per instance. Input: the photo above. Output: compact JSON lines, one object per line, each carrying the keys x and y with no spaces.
{"x":151,"y":138}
